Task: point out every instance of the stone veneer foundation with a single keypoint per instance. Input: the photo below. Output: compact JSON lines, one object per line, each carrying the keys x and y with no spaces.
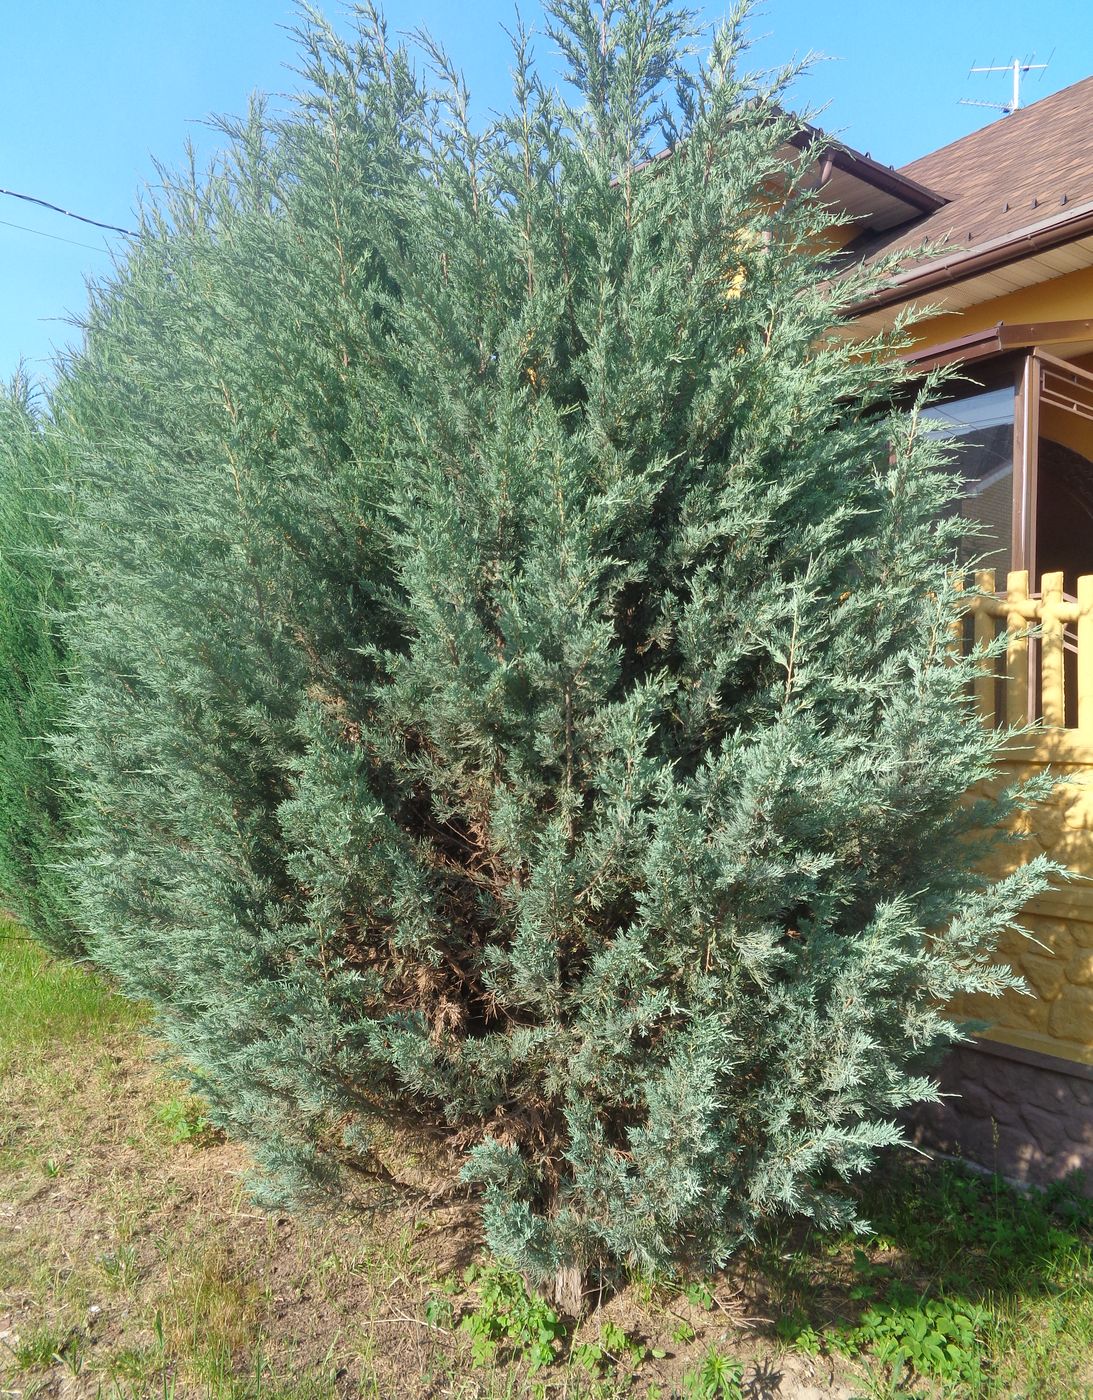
{"x":1025,"y":1115}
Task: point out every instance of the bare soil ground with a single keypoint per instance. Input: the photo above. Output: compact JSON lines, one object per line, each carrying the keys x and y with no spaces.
{"x":132,"y":1263}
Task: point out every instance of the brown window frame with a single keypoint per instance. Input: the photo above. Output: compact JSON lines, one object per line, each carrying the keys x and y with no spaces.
{"x":1042,"y":378}
{"x":1026,"y":434}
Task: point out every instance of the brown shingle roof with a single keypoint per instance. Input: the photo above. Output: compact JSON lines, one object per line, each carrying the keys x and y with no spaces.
{"x":1016,"y":172}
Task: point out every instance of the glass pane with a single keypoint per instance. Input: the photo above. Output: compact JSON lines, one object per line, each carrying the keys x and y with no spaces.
{"x":980,"y":428}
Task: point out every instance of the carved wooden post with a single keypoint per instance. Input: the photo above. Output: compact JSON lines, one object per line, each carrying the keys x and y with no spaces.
{"x":984,"y":635}
{"x":1017,"y":696}
{"x":1085,"y":656}
{"x":956,"y":627}
{"x":1054,"y":698}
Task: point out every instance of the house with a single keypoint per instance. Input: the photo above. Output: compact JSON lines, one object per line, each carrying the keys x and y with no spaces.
{"x":999,"y":226}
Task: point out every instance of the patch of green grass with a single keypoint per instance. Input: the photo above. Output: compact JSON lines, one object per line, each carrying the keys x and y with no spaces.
{"x":975,"y":1230}
{"x":46,"y":1347}
{"x":36,"y":1351}
{"x":213,"y":1308}
{"x":147,"y":1374}
{"x":44,"y":1003}
{"x":138,"y":1364}
{"x":965,"y":1282}
{"x":119,"y":1266}
{"x":253,"y":1378}
{"x":63,"y":1035}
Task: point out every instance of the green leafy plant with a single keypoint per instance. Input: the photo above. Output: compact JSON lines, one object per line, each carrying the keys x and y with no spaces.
{"x":932,"y":1337}
{"x":871,"y":1276}
{"x":719,"y":1377}
{"x":508,"y":1317}
{"x":185,"y":1121}
{"x":699,"y":1294}
{"x":440,"y":1312}
{"x":796,"y":1329}
{"x":613,"y":1352}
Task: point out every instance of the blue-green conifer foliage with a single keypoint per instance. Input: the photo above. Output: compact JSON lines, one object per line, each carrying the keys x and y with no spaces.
{"x":515,"y":695}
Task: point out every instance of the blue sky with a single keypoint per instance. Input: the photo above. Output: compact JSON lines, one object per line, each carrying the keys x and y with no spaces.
{"x":92,"y":91}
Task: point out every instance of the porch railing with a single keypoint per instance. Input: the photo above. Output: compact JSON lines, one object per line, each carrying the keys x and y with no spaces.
{"x":1048,"y":676}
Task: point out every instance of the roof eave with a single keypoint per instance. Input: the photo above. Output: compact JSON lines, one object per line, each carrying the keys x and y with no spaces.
{"x":960,"y":266}
{"x":884,"y":178}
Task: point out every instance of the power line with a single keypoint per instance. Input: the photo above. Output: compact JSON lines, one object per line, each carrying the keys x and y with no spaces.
{"x":45,"y":204}
{"x":55,"y":236}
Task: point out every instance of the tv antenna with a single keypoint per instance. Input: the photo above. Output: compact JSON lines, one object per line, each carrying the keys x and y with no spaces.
{"x":1016,"y":68}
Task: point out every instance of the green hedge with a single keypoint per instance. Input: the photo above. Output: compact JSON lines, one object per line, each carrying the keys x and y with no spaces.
{"x":36,"y":802}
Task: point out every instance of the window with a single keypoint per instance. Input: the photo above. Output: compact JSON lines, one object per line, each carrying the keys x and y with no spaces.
{"x":980,"y":428}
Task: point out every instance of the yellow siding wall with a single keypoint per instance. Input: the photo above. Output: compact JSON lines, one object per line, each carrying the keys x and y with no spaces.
{"x":1057,"y":961}
{"x":1071,"y":431}
{"x":1066,"y":298}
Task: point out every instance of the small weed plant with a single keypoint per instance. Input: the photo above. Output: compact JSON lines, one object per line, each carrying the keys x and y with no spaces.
{"x":119,"y":1266}
{"x":719,"y":1377}
{"x":699,"y":1294}
{"x":440,"y":1312}
{"x":795,"y":1329}
{"x":36,"y":1351}
{"x":184,"y":1122}
{"x":510,"y":1320}
{"x":46,"y":1347}
{"x":614,"y":1353}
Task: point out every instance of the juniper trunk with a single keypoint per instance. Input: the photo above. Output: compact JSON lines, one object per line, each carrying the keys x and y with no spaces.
{"x":512,"y":630}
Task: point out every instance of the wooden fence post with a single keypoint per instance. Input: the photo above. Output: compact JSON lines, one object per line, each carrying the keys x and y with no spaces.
{"x":1085,"y":656}
{"x":984,"y":635}
{"x":1017,"y":688}
{"x":1054,"y":699}
{"x":956,"y":627}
